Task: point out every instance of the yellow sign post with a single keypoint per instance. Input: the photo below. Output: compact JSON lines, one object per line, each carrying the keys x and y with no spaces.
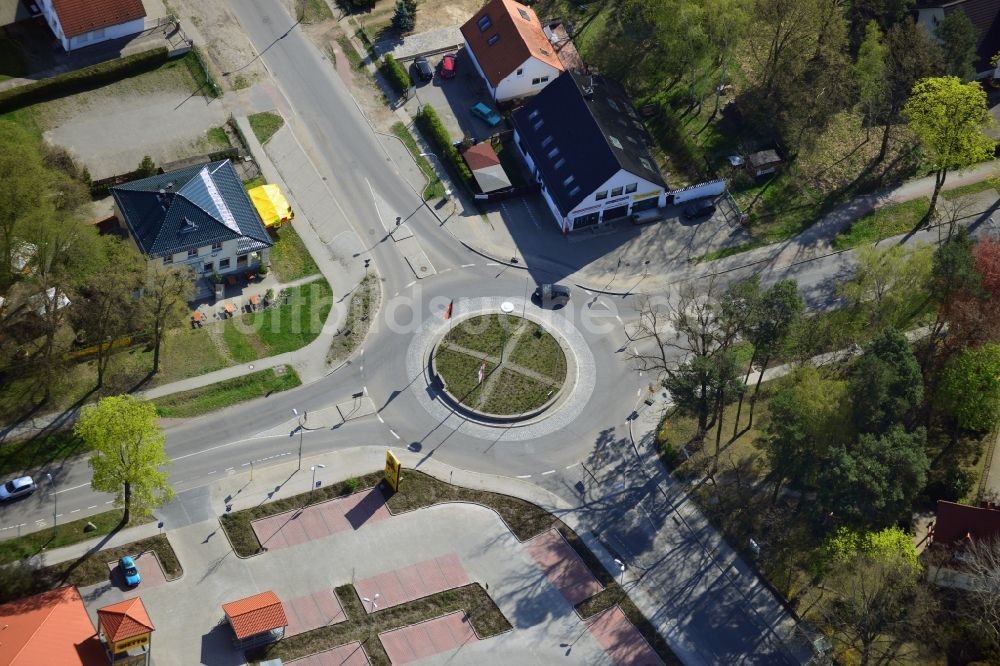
{"x":392,"y":470}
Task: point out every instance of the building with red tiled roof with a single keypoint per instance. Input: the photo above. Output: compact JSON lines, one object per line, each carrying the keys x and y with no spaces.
{"x":256,"y":620}
{"x":49,"y":628}
{"x":511,"y":50}
{"x":962,"y":523}
{"x":125,"y":629}
{"x":485,"y":165}
{"x":79,"y":23}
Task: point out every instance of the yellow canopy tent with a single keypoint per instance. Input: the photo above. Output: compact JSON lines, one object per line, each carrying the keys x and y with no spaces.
{"x":271,"y":205}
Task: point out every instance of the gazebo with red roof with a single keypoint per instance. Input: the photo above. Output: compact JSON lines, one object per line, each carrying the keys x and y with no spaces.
{"x":256,"y":620}
{"x":126,"y":630}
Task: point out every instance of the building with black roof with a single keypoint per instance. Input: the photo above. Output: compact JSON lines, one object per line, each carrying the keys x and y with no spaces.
{"x":586,"y":146}
{"x":200,"y":216}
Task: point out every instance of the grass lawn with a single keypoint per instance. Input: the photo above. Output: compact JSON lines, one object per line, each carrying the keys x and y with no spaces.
{"x":435,"y":188}
{"x":971,"y":188}
{"x":314,"y":11}
{"x":36,"y":453}
{"x":94,"y":568}
{"x":289,"y":257}
{"x":364,"y":303}
{"x":727,"y":251}
{"x":68,"y":533}
{"x":217,"y":137}
{"x":537,"y":350}
{"x":482,"y":334}
{"x":882,"y":223}
{"x":515,"y":393}
{"x":265,"y":124}
{"x":226,"y":393}
{"x":203,"y":84}
{"x":460,"y":373}
{"x":254,"y":182}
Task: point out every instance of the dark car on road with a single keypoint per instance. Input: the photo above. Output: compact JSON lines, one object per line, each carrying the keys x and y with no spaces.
{"x":16,"y":489}
{"x":552,"y":296}
{"x":423,"y":68}
{"x":699,"y":208}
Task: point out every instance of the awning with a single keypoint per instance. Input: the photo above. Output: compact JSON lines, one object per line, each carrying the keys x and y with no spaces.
{"x":271,"y":205}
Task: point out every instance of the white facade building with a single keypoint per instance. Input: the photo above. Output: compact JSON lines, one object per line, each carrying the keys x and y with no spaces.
{"x":80,"y":23}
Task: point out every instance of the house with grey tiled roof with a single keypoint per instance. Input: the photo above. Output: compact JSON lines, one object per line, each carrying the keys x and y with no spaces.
{"x":199,"y":216}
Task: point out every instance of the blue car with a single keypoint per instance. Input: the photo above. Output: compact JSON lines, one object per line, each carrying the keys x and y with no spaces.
{"x":486,"y":114}
{"x":129,"y":571}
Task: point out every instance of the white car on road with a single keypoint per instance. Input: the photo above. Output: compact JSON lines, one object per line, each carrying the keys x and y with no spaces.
{"x":16,"y":489}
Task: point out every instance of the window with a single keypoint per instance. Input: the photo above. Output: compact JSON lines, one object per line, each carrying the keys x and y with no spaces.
{"x":492,"y":40}
{"x":223,"y":263}
{"x":533,"y":115}
{"x":629,"y":189}
{"x":208,"y":267}
{"x":615,"y":142}
{"x":484,"y":23}
{"x":574,"y":191}
{"x":613,"y":104}
{"x":569,"y":179}
{"x":537,"y":81}
{"x":193,"y":252}
{"x":216,"y":247}
{"x":167,"y":260}
{"x":554,"y":152}
{"x":520,"y":71}
{"x":616,"y":192}
{"x":646,"y":163}
{"x":560,"y":162}
{"x":546,"y":141}
{"x":603,"y":194}
{"x":539,"y":124}
{"x":523,"y":14}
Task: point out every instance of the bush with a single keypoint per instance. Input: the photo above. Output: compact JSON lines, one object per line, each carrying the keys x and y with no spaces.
{"x":351,"y":485}
{"x":430,"y":124}
{"x":395,"y":75}
{"x":81,"y":79}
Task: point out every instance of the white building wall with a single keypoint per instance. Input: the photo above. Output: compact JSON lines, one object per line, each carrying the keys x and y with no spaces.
{"x":472,"y":57}
{"x":534,"y":76}
{"x":644,"y":189}
{"x":104,"y":34}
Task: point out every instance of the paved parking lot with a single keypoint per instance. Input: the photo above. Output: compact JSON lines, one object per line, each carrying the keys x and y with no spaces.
{"x":350,"y":654}
{"x":428,"y":638}
{"x":413,"y":582}
{"x":563,"y":567}
{"x":312,"y":611}
{"x":453,"y":98}
{"x":150,"y":572}
{"x":319,"y":520}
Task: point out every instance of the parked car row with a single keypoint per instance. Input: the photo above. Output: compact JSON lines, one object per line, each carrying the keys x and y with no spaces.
{"x":446,"y":70}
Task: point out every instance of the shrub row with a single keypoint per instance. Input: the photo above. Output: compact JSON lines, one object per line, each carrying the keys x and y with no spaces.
{"x":430,"y":124}
{"x":395,"y":75}
{"x":209,"y":82}
{"x":81,"y":79}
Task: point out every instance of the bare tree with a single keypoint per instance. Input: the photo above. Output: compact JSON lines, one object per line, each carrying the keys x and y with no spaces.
{"x":982,"y":566}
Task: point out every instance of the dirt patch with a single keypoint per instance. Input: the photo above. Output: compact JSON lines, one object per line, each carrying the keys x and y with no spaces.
{"x":431,"y":14}
{"x":227,"y":46}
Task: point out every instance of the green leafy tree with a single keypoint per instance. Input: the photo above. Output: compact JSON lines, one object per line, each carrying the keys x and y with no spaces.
{"x":872,"y":483}
{"x":846,"y":544}
{"x":888,"y":287}
{"x":970,"y":387}
{"x":809,"y":414}
{"x":702,"y":386}
{"x":949,"y":117}
{"x":886,"y":383}
{"x":959,"y":39}
{"x":871,"y":75}
{"x":164,"y":301}
{"x":147,"y":167}
{"x":22,"y":200}
{"x":128,"y":453}
{"x":404,"y":17}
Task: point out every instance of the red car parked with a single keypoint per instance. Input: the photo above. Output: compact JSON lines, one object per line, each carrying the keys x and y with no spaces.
{"x":448,"y":66}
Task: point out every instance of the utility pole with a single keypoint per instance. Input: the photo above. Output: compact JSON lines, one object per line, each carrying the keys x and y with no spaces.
{"x":302,"y":421}
{"x":55,"y":503}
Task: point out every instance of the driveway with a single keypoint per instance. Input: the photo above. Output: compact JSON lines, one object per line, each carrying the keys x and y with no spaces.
{"x":452,"y":98}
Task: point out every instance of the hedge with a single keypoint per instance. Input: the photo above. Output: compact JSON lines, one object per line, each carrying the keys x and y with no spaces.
{"x":430,"y":124}
{"x":395,"y":75}
{"x":81,"y":79}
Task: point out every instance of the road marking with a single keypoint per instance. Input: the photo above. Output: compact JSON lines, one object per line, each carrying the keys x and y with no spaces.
{"x":222,"y":446}
{"x":59,"y":515}
{"x":571,"y":466}
{"x":362,"y":351}
{"x":109,"y":501}
{"x":14,"y":527}
{"x":393,"y":433}
{"x":445,"y":270}
{"x":551,"y":471}
{"x":94,"y":506}
{"x":524,"y":476}
{"x":66,"y":490}
{"x":588,"y":291}
{"x":74,"y":511}
{"x":380,"y":419}
{"x":364,"y":390}
{"x":362,"y":367}
{"x":410,"y":284}
{"x":212,"y":472}
{"x":467,"y":265}
{"x":638,"y":392}
{"x":619,"y":318}
{"x":228,"y":469}
{"x":492,"y":263}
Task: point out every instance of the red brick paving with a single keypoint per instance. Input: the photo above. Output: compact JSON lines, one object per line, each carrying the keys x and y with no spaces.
{"x":620,"y":639}
{"x":312,"y":611}
{"x":350,"y":654}
{"x":563,"y":567}
{"x":150,"y":572}
{"x":315,"y":522}
{"x":426,"y":638}
{"x":413,"y":582}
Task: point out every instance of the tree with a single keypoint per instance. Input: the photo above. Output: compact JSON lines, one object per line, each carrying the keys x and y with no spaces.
{"x":981,"y":565}
{"x":949,"y":117}
{"x":21,"y":199}
{"x":889,"y":283}
{"x":871,"y":75}
{"x":809,"y":414}
{"x":702,"y":385}
{"x":726,"y":25}
{"x":128,"y":453}
{"x":959,"y":39}
{"x":846,"y":544}
{"x":404,"y":18}
{"x":886,"y":383}
{"x":147,"y":167}
{"x":969,"y":389}
{"x":973,"y":312}
{"x":168,"y":288}
{"x":873,"y":482}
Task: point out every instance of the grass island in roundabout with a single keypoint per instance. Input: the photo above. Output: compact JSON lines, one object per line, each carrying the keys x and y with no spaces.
{"x":500,"y":366}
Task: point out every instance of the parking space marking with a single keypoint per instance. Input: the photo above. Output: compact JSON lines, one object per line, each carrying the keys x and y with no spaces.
{"x":467,"y":265}
{"x":393,"y":433}
{"x":524,"y":476}
{"x":92,"y":506}
{"x":551,"y":471}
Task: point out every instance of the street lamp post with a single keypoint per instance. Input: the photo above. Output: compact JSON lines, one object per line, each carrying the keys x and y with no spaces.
{"x":447,"y":191}
{"x":621,"y":565}
{"x":313,"y":470}
{"x":506,"y":308}
{"x":55,"y":503}
{"x":371,"y":623}
{"x":302,"y":422}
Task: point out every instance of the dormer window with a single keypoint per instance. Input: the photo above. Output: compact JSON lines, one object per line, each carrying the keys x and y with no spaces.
{"x":546,"y":141}
{"x":561,"y":161}
{"x":574,"y":191}
{"x":524,"y":14}
{"x":492,"y":40}
{"x":569,"y":179}
{"x":188,"y":226}
{"x":554,"y":152}
{"x":533,"y":115}
{"x":484,"y":23}
{"x":539,"y":124}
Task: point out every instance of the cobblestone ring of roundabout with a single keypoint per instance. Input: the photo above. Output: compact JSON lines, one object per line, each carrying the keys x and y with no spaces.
{"x":554,"y":413}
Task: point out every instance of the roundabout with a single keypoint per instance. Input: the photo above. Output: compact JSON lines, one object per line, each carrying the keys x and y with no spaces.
{"x":500,"y":367}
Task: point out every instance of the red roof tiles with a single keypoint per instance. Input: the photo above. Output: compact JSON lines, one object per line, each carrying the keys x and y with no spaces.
{"x":49,"y":628}
{"x":955,"y":521}
{"x":517,"y":39}
{"x":481,"y":156}
{"x":81,"y":16}
{"x":257,"y":614}
{"x":124,"y":620}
